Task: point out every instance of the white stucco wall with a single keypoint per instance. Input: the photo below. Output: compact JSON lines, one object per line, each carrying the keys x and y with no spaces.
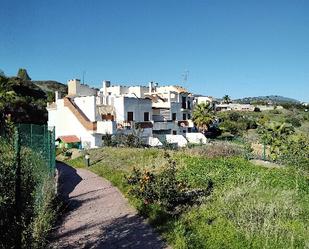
{"x":178,"y":139}
{"x":66,"y":124}
{"x":123,"y":105}
{"x":106,"y":127}
{"x":88,"y":106}
{"x":154,"y":142}
{"x":196,"y":138}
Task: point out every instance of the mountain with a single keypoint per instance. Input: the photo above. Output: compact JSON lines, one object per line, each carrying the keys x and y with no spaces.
{"x":50,"y":86}
{"x":273,"y":99}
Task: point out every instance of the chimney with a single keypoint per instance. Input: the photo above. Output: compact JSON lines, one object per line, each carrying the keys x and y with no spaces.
{"x":150,"y":87}
{"x":169,"y":96}
{"x":155,"y":86}
{"x":106,"y":84}
{"x":57,"y":96}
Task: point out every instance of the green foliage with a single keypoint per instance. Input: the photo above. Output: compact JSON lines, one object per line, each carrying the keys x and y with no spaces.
{"x":203,"y":116}
{"x":23,"y":100}
{"x":122,"y":140}
{"x":294,"y":121}
{"x":235,"y":128}
{"x":234,"y":116}
{"x":22,"y":74}
{"x":37,"y":193}
{"x":274,"y":134}
{"x":164,"y":189}
{"x":256,"y":109}
{"x":294,"y":151}
{"x":226,"y":99}
{"x":250,"y":206}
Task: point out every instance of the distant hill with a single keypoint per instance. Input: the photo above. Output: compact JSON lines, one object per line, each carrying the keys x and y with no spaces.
{"x":274,"y":99}
{"x":51,"y":86}
{"x":22,"y":100}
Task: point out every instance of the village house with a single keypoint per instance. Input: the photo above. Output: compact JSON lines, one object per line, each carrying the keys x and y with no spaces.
{"x":154,"y":113}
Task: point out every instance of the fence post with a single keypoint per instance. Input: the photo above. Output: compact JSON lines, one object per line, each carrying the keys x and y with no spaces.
{"x":17,"y":188}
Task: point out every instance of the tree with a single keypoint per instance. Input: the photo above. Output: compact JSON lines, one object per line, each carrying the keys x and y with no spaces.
{"x":275,"y":134}
{"x":22,"y":74}
{"x":226,"y":99}
{"x":2,"y":74}
{"x":203,"y":116}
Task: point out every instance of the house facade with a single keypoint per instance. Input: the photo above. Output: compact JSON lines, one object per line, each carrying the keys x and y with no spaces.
{"x":152,"y":112}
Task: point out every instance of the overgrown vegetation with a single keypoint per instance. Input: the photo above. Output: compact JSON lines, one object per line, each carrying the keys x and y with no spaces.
{"x":23,"y":100}
{"x":32,"y":214}
{"x":163,"y":188}
{"x":249,"y":207}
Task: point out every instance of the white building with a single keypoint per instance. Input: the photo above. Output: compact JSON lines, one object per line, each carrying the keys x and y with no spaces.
{"x":151,"y":111}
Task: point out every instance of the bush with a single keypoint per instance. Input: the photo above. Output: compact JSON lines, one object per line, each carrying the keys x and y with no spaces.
{"x":122,"y":140}
{"x":256,"y":109}
{"x":294,"y":121}
{"x":234,"y":128}
{"x":164,"y":188}
{"x":218,"y":149}
{"x":294,"y":151}
{"x":35,"y":203}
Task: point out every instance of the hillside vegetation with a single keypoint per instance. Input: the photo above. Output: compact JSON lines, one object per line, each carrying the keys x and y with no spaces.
{"x":248,"y":206}
{"x":23,"y":100}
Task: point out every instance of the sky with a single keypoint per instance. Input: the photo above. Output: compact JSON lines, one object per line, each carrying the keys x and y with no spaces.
{"x":236,"y":47}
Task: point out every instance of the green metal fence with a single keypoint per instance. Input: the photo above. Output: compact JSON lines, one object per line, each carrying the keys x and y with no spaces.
{"x":40,"y":139}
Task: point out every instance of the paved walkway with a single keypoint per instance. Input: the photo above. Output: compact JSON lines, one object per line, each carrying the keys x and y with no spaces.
{"x":99,"y":216}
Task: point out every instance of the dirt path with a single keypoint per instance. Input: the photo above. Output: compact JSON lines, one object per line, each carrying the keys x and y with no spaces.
{"x":99,"y":216}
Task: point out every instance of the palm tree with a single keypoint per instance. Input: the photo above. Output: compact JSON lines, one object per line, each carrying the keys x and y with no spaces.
{"x":275,"y":134}
{"x":226,"y":99}
{"x":203,"y":116}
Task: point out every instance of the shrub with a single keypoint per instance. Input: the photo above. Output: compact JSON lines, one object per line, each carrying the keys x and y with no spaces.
{"x":122,"y":140}
{"x":218,"y":149}
{"x":35,"y":202}
{"x":256,"y":109}
{"x":234,"y":116}
{"x":164,"y":189}
{"x":234,"y":128}
{"x":293,"y":121}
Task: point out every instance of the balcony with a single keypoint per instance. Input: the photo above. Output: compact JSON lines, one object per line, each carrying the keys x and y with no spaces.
{"x":164,"y":125}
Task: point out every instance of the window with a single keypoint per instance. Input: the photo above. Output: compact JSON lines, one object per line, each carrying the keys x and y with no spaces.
{"x":189,"y":130}
{"x":184,"y":116}
{"x":189,"y":116}
{"x":174,"y":132}
{"x":146,"y":116}
{"x":174,"y":116}
{"x":130,"y":116}
{"x":184,"y":131}
{"x":183,"y":103}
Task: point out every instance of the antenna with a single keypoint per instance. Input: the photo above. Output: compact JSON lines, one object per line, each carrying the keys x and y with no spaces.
{"x":84,"y":72}
{"x":185,"y":76}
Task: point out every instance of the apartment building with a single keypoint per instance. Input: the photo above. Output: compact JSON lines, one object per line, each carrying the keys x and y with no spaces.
{"x":152,"y":112}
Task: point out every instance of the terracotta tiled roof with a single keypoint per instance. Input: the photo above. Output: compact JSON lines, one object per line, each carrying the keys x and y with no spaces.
{"x":69,"y":139}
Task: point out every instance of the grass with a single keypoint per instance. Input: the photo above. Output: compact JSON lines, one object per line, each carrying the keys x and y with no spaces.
{"x":250,"y":207}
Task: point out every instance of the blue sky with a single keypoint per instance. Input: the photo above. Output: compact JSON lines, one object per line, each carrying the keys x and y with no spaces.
{"x":236,"y":47}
